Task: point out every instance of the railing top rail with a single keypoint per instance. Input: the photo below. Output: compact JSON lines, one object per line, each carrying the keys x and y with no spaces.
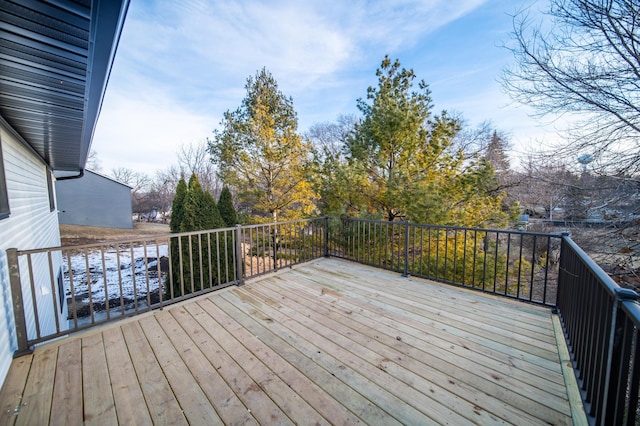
{"x":460,"y":228}
{"x":288,"y":222}
{"x":153,"y":238}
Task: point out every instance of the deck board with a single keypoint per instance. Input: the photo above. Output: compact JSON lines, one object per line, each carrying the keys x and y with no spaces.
{"x":448,"y":364}
{"x":35,"y":407}
{"x":327,"y":342}
{"x":223,"y":400}
{"x":414,"y":356}
{"x":161,"y":402}
{"x":258,"y":403}
{"x":127,"y":393}
{"x":382,"y":370}
{"x":99,"y":406}
{"x":66,"y":407}
{"x":457,"y":347}
{"x":12,"y":391}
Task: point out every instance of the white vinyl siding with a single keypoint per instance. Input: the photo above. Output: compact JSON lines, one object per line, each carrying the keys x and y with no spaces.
{"x":30,"y":225}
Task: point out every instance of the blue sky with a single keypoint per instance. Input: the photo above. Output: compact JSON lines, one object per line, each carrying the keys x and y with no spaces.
{"x":181,"y":64}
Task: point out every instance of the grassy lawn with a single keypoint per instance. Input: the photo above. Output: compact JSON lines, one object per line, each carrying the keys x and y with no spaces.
{"x":73,"y":234}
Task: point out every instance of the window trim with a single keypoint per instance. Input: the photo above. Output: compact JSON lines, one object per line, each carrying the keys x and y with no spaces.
{"x":5,"y":209}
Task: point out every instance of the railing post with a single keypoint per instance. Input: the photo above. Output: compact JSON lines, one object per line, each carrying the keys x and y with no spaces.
{"x":562,"y":269}
{"x":275,"y":247}
{"x":621,"y":295}
{"x":326,"y":236}
{"x":18,"y":303}
{"x":405,"y":272}
{"x":239,"y":257}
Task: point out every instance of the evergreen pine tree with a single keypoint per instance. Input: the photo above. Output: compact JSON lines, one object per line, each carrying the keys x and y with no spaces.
{"x":177,"y":207}
{"x":206,"y":256}
{"x":211,"y":213}
{"x":260,"y":153}
{"x":225,"y":206}
{"x":194,"y":204}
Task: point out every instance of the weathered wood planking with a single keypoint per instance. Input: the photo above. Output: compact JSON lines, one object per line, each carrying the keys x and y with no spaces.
{"x":13,"y":389}
{"x":35,"y":408}
{"x":431,"y":336}
{"x":433,"y":380}
{"x":409,"y":354}
{"x":131,"y":407}
{"x":66,"y":407}
{"x":328,"y":342}
{"x":162,"y":403}
{"x":99,"y":407}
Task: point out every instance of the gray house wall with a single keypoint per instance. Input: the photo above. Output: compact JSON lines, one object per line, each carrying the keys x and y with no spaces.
{"x":94,"y":200}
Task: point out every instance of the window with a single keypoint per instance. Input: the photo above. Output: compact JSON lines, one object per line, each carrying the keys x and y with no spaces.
{"x":52,"y":198}
{"x":4,"y":196}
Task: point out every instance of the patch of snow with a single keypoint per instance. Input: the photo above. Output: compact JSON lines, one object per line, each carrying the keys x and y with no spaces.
{"x":98,"y":276}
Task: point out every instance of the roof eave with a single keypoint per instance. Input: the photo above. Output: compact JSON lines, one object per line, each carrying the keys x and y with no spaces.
{"x":106,"y":27}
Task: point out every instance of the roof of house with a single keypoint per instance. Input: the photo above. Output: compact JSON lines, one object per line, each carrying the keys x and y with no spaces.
{"x":107,"y":178}
{"x":55,"y":60}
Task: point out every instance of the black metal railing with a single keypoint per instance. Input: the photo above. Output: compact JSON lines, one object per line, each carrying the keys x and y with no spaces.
{"x":269,"y":247}
{"x":520,"y":265}
{"x":601,"y":323}
{"x":64,"y":289}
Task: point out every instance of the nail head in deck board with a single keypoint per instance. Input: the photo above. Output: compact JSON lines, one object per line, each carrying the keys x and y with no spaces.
{"x":163,"y":406}
{"x":66,"y":408}
{"x":131,"y":407}
{"x":13,"y":389}
{"x":99,"y":407}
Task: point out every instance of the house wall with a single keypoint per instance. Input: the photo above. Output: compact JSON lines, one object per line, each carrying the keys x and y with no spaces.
{"x":31,"y":224}
{"x":94,"y":200}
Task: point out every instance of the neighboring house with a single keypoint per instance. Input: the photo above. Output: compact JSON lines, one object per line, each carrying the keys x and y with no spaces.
{"x":55,"y":59}
{"x":94,"y":200}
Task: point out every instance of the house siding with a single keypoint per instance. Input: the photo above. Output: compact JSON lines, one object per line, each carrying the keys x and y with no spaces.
{"x":94,"y":200}
{"x":30,"y":225}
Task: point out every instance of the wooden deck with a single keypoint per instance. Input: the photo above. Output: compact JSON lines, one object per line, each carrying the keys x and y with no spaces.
{"x":328,"y":342}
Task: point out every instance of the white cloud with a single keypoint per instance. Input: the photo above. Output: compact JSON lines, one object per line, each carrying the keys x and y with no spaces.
{"x":144,"y":134}
{"x":181,"y":64}
{"x":299,"y":42}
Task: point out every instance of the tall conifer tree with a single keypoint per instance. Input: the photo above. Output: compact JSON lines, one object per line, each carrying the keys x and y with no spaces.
{"x":205,"y":257}
{"x":261,"y":155}
{"x":225,"y":206}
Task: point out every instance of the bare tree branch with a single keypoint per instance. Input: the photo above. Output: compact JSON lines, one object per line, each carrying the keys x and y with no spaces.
{"x":588,"y":64}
